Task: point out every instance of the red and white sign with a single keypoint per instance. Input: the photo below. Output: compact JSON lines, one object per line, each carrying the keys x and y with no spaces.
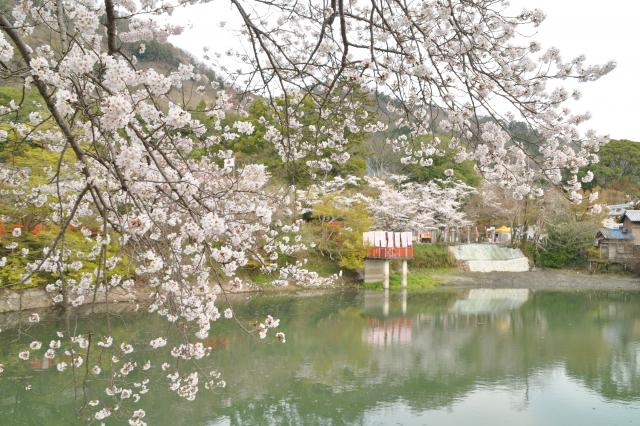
{"x":229,"y":163}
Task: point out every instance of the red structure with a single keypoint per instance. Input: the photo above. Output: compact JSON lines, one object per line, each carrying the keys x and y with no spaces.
{"x":392,"y":332}
{"x":7,"y":228}
{"x":388,"y":245}
{"x":389,"y":252}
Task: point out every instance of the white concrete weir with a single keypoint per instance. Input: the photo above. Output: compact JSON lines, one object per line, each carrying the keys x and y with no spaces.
{"x":490,"y":258}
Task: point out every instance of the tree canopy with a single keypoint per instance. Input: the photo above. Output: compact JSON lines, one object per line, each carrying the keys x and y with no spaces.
{"x":618,"y":167}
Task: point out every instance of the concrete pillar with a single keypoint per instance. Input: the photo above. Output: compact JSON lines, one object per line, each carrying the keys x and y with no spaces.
{"x":404,"y":301}
{"x":405,"y":269}
{"x":376,"y":270}
{"x":385,"y":303}
{"x":386,"y":275}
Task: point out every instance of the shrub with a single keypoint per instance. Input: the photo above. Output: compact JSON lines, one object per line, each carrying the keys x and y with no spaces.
{"x":431,"y":256}
{"x":337,"y":231}
{"x":566,"y":244}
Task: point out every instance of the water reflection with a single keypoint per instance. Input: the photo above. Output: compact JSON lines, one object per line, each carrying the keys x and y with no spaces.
{"x":442,"y":357}
{"x":374,"y":300}
{"x":491,"y":300}
{"x":388,"y":332}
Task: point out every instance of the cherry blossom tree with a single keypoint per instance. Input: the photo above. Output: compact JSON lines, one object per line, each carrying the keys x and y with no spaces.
{"x":455,"y":68}
{"x":136,"y":171}
{"x":404,"y":205}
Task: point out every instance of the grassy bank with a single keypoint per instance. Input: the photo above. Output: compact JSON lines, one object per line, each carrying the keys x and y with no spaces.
{"x":431,"y":256}
{"x":420,"y":279}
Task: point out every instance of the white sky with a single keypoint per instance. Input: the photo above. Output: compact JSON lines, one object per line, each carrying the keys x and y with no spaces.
{"x":602,"y":30}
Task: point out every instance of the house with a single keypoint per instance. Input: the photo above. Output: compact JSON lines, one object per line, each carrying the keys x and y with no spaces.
{"x":622,"y":244}
{"x":614,"y":244}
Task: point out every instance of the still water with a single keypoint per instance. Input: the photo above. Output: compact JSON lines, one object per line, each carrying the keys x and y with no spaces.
{"x":444,"y":357}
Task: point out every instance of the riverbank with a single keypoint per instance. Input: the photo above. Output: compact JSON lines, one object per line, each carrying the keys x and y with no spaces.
{"x":538,"y":280}
{"x":25,"y":299}
{"x":420,"y":279}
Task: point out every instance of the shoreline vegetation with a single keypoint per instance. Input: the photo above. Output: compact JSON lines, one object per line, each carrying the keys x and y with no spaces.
{"x":420,"y":279}
{"x":15,"y":301}
{"x":431,"y":267}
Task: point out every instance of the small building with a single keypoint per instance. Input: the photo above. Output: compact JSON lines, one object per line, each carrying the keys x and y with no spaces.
{"x":499,"y":235}
{"x":621,"y":244}
{"x":383,"y":246}
{"x":614,"y":244}
{"x":427,"y":235}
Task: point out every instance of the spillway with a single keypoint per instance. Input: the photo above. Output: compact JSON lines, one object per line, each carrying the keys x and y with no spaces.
{"x":490,"y":258}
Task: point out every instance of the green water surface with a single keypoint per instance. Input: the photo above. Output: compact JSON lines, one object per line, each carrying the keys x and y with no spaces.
{"x":444,"y":357}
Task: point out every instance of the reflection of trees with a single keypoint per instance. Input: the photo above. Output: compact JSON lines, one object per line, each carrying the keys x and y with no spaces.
{"x":601,"y":344}
{"x":331,"y":374}
{"x":327,"y":372}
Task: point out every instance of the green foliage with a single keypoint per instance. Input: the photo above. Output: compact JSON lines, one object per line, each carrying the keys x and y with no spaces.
{"x":530,"y":250}
{"x":321,"y":264}
{"x":431,"y":256}
{"x":618,"y":168}
{"x":15,"y":209}
{"x":464,"y":171}
{"x":254,"y":147}
{"x":74,"y":241}
{"x":337,"y":232}
{"x":297,"y":172}
{"x":156,"y":52}
{"x":35,"y":160}
{"x":416,"y":280}
{"x":29,"y":99}
{"x":567,"y":244}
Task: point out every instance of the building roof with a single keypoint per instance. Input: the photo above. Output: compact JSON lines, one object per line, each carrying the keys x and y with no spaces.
{"x":633,"y":215}
{"x":615,"y":234}
{"x":618,"y":209}
{"x":620,"y":206}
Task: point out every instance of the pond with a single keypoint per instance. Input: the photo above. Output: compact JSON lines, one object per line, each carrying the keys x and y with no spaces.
{"x":442,"y":357}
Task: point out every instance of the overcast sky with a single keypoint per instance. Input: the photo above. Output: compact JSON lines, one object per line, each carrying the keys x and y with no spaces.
{"x":602,"y":30}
